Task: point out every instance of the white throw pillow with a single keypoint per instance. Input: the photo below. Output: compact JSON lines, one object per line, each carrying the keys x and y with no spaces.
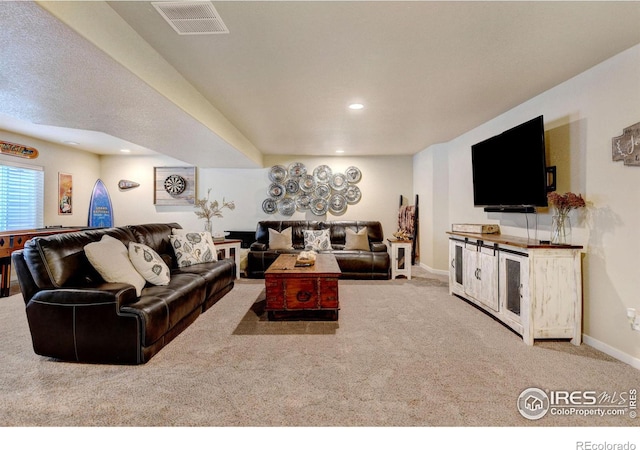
{"x":281,"y":240}
{"x":149,"y":264}
{"x":110,"y":258}
{"x":193,"y":247}
{"x":317,"y":240}
{"x":356,"y":241}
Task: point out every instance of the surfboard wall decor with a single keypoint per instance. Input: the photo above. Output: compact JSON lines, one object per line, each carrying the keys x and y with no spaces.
{"x":124,"y":185}
{"x":21,"y":151}
{"x":100,"y":209}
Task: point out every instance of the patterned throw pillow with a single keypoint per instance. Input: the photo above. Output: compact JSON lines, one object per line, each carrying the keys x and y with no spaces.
{"x":356,"y":241}
{"x":193,"y":247}
{"x":110,"y":258}
{"x":149,"y":264}
{"x":280,"y":240}
{"x":317,"y":240}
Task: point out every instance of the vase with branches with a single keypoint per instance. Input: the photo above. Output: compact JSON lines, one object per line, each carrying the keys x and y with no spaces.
{"x":561,"y":224}
{"x":207,"y":209}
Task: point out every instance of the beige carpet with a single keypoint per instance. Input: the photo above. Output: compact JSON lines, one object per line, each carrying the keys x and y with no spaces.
{"x":403,"y":353}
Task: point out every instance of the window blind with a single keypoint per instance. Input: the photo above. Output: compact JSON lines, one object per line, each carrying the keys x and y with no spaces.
{"x":21,"y":197}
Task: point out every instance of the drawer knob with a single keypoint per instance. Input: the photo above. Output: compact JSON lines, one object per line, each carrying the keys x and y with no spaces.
{"x":303,"y":296}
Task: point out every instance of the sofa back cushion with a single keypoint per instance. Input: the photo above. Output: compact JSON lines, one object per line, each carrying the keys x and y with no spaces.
{"x":156,"y":236}
{"x":59,"y":260}
{"x":338,"y":230}
{"x":297,"y":230}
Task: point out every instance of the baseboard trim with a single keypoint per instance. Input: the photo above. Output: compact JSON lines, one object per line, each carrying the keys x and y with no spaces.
{"x":611,"y":351}
{"x":434,"y":271}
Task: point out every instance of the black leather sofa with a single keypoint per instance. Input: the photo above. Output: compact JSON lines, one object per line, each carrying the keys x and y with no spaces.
{"x":74,"y":315}
{"x":354,"y":264}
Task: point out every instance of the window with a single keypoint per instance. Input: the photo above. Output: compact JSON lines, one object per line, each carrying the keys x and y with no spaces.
{"x":21,"y":197}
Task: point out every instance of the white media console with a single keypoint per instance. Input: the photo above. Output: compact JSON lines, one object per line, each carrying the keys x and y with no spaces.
{"x":533,"y":288}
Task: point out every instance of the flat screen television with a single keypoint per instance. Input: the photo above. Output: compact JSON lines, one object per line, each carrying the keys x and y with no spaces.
{"x":510,"y":169}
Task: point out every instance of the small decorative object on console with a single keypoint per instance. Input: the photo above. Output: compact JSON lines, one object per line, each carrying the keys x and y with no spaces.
{"x":475,"y":228}
{"x":402,"y":235}
{"x":306,"y":258}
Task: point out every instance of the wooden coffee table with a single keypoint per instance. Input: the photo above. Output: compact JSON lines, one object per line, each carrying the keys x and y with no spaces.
{"x":302,"y":292}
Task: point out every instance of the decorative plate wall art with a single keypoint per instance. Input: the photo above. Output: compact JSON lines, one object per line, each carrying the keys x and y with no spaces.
{"x":276,"y":190}
{"x":320,"y":190}
{"x":353,"y":174}
{"x":278,"y":174}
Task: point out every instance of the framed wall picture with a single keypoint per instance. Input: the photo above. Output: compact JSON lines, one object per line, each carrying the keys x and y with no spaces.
{"x":174,"y":186}
{"x":65,"y":193}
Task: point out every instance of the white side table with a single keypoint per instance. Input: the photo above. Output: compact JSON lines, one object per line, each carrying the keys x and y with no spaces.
{"x":227,"y":245}
{"x":400,"y":258}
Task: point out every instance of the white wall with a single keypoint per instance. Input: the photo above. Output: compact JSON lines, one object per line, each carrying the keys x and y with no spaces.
{"x":582,"y":116}
{"x":83,"y":166}
{"x":384,"y":179}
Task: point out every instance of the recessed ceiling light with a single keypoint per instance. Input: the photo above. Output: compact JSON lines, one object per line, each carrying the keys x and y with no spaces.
{"x":125,"y":150}
{"x":356,"y":106}
{"x":339,"y":151}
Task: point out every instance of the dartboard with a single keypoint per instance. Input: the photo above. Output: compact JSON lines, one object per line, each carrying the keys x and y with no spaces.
{"x":175,"y":184}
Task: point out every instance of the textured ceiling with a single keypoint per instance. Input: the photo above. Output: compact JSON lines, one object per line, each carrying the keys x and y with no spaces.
{"x":283,"y":76}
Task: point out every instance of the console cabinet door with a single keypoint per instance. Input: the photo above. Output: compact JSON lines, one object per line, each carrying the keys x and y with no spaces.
{"x":456,"y":269}
{"x":514,"y":289}
{"x":481,"y":275}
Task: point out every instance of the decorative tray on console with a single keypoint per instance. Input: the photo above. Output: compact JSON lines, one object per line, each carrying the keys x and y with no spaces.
{"x":306,"y":259}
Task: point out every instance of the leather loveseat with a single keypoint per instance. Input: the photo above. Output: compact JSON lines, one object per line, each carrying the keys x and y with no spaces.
{"x":74,"y":315}
{"x":372,"y":263}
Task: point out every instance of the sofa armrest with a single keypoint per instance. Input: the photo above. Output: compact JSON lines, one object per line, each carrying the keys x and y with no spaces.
{"x":86,"y":324}
{"x":258,"y":247}
{"x":378,"y":247}
{"x":117,"y":293}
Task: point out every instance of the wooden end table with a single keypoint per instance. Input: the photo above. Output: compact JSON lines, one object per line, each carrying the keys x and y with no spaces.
{"x":302,"y":292}
{"x":227,"y":245}
{"x":400,"y":258}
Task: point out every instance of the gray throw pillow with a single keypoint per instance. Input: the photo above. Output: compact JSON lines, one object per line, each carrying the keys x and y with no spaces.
{"x":281,"y":240}
{"x":356,"y":241}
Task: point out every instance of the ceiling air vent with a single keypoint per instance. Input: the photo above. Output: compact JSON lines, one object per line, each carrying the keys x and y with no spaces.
{"x":192,"y":17}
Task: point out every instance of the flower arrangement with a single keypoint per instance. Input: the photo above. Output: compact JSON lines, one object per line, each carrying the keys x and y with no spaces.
{"x":566,"y":202}
{"x":561,"y":225}
{"x":209,"y":209}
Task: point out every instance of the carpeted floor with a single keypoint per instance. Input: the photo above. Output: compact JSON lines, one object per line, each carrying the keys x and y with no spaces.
{"x":403,"y":353}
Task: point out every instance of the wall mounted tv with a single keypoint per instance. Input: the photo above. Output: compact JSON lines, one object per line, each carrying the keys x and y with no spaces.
{"x":510,"y":170}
